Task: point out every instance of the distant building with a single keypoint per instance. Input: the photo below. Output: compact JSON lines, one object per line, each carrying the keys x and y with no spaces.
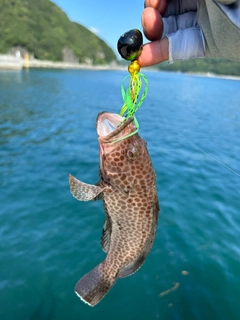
{"x":20,"y":52}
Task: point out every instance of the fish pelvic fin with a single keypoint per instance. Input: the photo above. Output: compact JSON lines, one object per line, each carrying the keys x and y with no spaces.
{"x":83,"y":191}
{"x":92,"y":287}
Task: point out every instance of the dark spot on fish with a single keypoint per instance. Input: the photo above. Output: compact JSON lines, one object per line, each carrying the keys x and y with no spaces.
{"x":119,"y":225}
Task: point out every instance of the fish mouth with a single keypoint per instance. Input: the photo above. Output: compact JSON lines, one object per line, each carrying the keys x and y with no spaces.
{"x":111,"y":126}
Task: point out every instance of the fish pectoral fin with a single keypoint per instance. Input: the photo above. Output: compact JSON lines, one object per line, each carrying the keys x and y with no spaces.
{"x":106,"y":234}
{"x":83,"y":191}
{"x":100,"y":195}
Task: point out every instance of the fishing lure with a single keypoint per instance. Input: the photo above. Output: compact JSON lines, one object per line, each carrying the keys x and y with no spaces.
{"x":130,"y":47}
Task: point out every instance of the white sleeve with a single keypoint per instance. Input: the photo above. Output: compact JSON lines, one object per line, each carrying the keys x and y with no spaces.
{"x":186,"y":39}
{"x":186,"y":44}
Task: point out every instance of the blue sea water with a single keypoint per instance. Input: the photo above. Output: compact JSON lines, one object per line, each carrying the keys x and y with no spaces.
{"x":48,"y":240}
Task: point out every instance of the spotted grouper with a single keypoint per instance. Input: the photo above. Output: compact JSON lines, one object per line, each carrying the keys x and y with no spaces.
{"x":128,"y":189}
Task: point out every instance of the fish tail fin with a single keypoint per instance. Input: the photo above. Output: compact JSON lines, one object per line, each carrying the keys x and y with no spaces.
{"x":92,"y":287}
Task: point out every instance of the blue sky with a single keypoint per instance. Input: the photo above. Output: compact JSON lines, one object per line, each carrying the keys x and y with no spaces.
{"x":108,"y":19}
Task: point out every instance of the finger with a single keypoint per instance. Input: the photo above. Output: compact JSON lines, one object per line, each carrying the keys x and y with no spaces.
{"x":154,"y":53}
{"x":159,"y":5}
{"x":152,"y":24}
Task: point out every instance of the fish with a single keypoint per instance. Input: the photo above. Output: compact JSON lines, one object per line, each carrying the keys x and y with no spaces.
{"x":127,"y":187}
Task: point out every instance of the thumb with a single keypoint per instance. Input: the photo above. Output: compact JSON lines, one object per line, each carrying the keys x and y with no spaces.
{"x":154,"y":53}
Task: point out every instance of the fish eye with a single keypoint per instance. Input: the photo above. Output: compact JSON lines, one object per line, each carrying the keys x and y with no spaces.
{"x":132,"y":153}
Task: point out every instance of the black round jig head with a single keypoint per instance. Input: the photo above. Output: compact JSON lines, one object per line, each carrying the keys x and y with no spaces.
{"x":130,"y":45}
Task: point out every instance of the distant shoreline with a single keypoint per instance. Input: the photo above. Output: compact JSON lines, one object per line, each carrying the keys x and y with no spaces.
{"x":13,"y":63}
{"x":213,"y":75}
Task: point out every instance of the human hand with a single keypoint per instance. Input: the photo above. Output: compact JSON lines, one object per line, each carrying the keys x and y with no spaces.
{"x":172,"y":28}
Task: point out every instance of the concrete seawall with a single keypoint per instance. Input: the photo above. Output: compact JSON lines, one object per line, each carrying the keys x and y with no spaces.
{"x":67,"y":65}
{"x":10,"y":63}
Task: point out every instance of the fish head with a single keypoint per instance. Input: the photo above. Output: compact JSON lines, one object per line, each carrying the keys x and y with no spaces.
{"x":121,"y":155}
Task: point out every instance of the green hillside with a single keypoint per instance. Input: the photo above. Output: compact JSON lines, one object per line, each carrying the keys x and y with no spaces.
{"x":45,"y":30}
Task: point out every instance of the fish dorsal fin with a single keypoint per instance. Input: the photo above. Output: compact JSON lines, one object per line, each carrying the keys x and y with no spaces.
{"x":106,"y":234}
{"x":83,"y":191}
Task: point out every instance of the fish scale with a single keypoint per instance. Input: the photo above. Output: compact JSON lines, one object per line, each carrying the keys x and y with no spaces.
{"x":127,"y":187}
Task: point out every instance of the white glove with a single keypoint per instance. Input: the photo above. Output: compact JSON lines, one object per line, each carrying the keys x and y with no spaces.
{"x":185,"y":37}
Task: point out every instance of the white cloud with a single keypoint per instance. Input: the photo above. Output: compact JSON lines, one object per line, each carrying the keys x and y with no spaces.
{"x":94,"y":30}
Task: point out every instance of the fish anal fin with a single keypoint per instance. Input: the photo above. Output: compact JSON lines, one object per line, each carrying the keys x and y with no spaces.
{"x":83,"y":191}
{"x":106,"y":234}
{"x":133,"y":266}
